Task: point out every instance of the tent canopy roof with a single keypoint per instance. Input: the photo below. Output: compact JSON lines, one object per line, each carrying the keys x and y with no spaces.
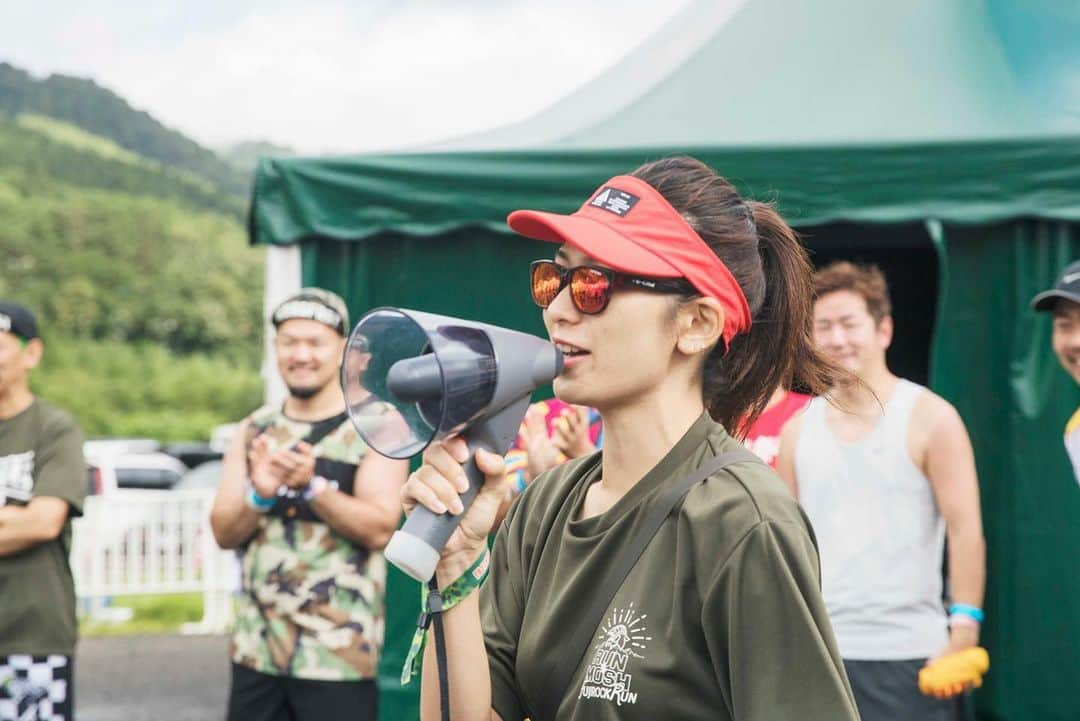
{"x":965,"y":111}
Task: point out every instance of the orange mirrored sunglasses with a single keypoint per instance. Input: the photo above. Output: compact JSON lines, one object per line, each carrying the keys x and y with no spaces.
{"x":591,"y":286}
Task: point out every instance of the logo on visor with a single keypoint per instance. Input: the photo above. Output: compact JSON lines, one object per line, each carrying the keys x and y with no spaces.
{"x":614,"y":201}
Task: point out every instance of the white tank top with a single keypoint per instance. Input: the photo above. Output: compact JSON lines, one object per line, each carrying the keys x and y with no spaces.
{"x":879,"y":532}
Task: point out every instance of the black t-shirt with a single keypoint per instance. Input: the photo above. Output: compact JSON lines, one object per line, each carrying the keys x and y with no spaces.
{"x":40,"y":455}
{"x":721,"y":618}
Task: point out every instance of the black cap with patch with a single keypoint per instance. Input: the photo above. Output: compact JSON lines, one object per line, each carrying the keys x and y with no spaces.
{"x":16,"y":319}
{"x":1067,"y":287}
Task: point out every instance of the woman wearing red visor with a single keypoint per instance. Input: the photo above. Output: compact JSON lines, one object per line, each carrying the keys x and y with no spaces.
{"x":679,"y":306}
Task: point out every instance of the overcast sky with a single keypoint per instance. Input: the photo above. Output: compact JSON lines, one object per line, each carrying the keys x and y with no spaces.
{"x":329,"y":76}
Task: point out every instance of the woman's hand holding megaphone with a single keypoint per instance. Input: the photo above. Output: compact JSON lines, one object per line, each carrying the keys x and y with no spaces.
{"x":436,"y":485}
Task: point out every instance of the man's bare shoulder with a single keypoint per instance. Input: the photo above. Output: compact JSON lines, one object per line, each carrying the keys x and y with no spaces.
{"x":936,"y":427}
{"x":930,"y":410}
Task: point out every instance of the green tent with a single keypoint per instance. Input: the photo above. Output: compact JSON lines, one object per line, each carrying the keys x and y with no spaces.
{"x":940,"y":140}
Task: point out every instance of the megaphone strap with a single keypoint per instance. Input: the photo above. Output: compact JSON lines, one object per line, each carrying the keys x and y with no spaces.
{"x":433,"y":602}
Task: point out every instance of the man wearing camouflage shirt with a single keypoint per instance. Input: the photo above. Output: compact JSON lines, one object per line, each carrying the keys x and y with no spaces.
{"x":309,"y":508}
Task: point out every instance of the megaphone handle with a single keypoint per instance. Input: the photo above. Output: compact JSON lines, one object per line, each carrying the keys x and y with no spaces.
{"x":493,"y":434}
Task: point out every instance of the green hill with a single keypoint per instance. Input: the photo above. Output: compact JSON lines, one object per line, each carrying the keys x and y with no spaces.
{"x":80,"y":139}
{"x":39,"y":153}
{"x":85,"y":104}
{"x":140,"y":273}
{"x":245,"y":156}
{"x":108,"y":265}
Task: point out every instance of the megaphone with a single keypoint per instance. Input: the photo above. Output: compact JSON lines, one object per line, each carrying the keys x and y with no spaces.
{"x":411,"y":377}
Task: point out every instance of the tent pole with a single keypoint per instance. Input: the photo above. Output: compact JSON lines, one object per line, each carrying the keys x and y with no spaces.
{"x":283,"y":278}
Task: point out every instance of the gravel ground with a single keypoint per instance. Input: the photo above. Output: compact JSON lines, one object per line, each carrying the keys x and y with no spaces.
{"x":150,"y":678}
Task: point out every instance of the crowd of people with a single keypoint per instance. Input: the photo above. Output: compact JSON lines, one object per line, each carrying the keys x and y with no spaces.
{"x":811,"y":582}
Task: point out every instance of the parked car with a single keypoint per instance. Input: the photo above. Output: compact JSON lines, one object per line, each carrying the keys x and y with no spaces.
{"x":203,"y":476}
{"x":222,"y":435}
{"x":113,"y":446}
{"x":109,"y":472}
{"x":192,"y":453}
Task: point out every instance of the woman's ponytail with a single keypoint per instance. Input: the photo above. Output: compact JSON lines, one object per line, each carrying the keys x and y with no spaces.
{"x":779,"y":349}
{"x":771,"y":266}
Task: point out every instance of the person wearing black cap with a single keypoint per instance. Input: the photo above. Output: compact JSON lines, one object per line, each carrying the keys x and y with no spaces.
{"x":1063,"y":300}
{"x":309,"y":509}
{"x":42,"y":476}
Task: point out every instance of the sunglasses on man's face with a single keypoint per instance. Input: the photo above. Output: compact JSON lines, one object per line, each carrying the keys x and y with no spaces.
{"x":591,"y":287}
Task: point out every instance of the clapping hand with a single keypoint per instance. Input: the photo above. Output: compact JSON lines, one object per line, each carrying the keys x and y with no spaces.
{"x":572,"y":433}
{"x":542,"y":452}
{"x":290,"y":467}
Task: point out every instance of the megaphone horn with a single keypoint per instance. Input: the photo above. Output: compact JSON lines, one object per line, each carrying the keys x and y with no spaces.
{"x":411,"y":377}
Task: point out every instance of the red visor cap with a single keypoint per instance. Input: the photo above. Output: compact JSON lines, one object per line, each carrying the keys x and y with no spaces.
{"x":629,"y":226}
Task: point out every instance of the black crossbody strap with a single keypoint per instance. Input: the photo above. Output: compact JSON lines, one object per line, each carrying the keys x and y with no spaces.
{"x":577,"y":643}
{"x":321,"y":429}
{"x":324,"y":428}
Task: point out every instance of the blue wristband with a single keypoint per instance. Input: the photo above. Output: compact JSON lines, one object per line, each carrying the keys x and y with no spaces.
{"x":258,"y":502}
{"x":965,"y":610}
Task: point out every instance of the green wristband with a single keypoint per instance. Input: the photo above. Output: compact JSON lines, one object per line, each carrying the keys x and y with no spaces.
{"x":439,"y":602}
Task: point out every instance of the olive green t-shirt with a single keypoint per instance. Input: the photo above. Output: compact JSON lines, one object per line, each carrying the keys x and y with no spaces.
{"x":721,"y":617}
{"x":40,"y":455}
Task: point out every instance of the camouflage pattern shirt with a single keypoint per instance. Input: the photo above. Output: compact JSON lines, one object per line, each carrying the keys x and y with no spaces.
{"x":312,"y":600}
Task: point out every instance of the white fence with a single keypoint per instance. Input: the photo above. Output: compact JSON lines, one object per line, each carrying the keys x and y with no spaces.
{"x":154,"y":542}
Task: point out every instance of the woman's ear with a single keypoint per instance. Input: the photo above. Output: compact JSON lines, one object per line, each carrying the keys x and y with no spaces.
{"x":699,"y":324}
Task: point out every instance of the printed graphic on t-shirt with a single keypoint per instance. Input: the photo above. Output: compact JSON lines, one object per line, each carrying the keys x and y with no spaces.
{"x":620,"y":639}
{"x":763,"y":438}
{"x":767,"y":448}
{"x":16,"y":477}
{"x":34,"y":689}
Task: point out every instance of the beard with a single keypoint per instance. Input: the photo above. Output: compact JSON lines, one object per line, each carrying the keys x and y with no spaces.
{"x":304,"y":392}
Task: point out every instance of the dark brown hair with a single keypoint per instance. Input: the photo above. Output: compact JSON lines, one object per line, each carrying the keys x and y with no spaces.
{"x":771,"y":266}
{"x":864,"y":280}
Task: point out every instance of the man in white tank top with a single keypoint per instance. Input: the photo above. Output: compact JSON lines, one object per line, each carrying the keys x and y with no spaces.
{"x":884,"y":481}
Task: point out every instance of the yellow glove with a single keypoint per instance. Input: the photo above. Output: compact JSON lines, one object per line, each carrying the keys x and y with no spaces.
{"x":953,"y":674}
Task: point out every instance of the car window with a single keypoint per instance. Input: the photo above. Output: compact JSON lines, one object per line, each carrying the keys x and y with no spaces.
{"x":206,"y":475}
{"x":150,"y":478}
